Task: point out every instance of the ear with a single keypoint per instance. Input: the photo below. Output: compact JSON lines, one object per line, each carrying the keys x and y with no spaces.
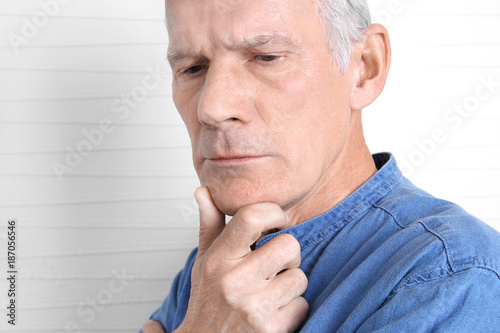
{"x":371,"y":60}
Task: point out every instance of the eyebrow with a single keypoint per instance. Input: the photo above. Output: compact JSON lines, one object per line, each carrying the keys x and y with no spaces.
{"x":273,"y":38}
{"x":179,"y":55}
{"x":278,"y":38}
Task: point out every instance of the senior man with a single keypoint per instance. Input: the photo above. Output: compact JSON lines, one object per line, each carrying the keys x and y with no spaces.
{"x":324,"y":237}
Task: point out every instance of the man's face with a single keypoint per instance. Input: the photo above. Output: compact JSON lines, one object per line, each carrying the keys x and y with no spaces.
{"x":266,"y":110}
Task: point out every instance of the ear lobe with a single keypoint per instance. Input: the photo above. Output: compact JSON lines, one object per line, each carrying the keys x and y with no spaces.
{"x":371,"y":63}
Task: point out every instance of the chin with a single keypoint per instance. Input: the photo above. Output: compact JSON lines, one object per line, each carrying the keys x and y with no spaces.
{"x":232,"y":197}
{"x":228,"y":208}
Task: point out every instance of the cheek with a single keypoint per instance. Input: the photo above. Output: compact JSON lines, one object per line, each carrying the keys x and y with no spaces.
{"x":308,"y":116}
{"x":293,"y":110}
{"x":187,"y":106}
{"x":282,"y":105}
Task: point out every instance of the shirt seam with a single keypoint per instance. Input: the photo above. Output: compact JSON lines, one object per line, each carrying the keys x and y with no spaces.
{"x":452,"y":269}
{"x":449,"y":257}
{"x":452,"y":262}
{"x":390,"y":214}
{"x":419,"y":279}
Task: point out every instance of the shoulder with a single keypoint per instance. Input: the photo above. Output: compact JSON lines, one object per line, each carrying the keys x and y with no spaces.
{"x":451,"y":276}
{"x":466,"y":241}
{"x":466,"y":301}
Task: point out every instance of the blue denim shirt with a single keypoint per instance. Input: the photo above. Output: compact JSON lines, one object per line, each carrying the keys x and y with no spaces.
{"x":389,"y":258}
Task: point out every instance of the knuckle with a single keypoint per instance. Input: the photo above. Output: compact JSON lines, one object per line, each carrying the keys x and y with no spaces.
{"x":288,"y":244}
{"x":254,"y":214}
{"x":301,"y":279}
{"x":295,"y":281}
{"x":302,"y":307}
{"x":300,"y":275}
{"x":250,"y":216}
{"x":275,"y":213}
{"x":289,"y":241}
{"x":304,"y":304}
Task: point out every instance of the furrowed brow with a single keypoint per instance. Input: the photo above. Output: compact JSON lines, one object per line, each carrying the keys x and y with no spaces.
{"x":275,"y":38}
{"x":176,"y":56}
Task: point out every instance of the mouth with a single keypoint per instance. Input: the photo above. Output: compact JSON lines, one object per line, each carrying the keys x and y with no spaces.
{"x":235,"y":160}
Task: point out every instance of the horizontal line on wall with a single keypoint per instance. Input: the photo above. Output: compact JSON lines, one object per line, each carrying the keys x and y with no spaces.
{"x":99,"y":174}
{"x":117,"y":300}
{"x":78,"y":70}
{"x":166,"y":225}
{"x":445,"y":44}
{"x":445,"y":66}
{"x":102,"y":148}
{"x":488,"y":146}
{"x":94,"y":199}
{"x":111,"y":43}
{"x":61,"y":327}
{"x":115,"y":249}
{"x":81,"y":275}
{"x":90,"y":16}
{"x":68,"y":121}
{"x":487,"y":219}
{"x":474,"y":196}
{"x":454,"y":168}
{"x":457,"y":14}
{"x":76,"y":97}
{"x":107,"y":224}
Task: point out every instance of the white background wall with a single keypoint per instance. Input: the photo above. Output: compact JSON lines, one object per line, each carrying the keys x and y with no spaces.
{"x":127,"y":207}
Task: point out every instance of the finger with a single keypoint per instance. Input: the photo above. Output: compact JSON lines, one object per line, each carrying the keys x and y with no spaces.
{"x":152,"y":326}
{"x":286,"y":286}
{"x":212,"y":220}
{"x":281,"y":252}
{"x":291,"y":315}
{"x":247,"y":226}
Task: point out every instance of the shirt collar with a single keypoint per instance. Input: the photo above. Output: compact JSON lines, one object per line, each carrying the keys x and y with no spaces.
{"x":332,"y":221}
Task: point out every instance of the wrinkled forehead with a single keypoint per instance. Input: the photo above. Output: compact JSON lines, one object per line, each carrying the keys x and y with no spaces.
{"x":197,"y":22}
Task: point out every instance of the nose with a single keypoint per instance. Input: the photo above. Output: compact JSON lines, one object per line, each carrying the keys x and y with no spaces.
{"x":224,"y":99}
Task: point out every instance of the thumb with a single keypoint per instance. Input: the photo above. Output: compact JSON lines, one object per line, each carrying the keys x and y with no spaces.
{"x":212,"y":220}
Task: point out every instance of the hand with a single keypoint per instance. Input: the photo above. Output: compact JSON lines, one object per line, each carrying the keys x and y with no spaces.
{"x":152,"y":326}
{"x":235,"y":289}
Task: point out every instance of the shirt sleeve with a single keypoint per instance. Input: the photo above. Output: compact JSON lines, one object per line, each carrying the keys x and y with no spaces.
{"x":172,"y":312}
{"x":467,"y":301}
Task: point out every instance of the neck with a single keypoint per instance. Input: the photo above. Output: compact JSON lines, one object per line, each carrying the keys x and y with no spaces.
{"x":352,"y":168}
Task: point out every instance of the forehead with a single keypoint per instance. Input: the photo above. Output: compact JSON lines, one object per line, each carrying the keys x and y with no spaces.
{"x":197,"y":23}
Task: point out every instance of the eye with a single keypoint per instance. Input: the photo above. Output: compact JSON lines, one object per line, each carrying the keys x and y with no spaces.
{"x":266,"y":57}
{"x":195,"y":69}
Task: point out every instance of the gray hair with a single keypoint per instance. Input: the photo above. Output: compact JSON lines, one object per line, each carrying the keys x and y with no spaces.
{"x":344,"y":22}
